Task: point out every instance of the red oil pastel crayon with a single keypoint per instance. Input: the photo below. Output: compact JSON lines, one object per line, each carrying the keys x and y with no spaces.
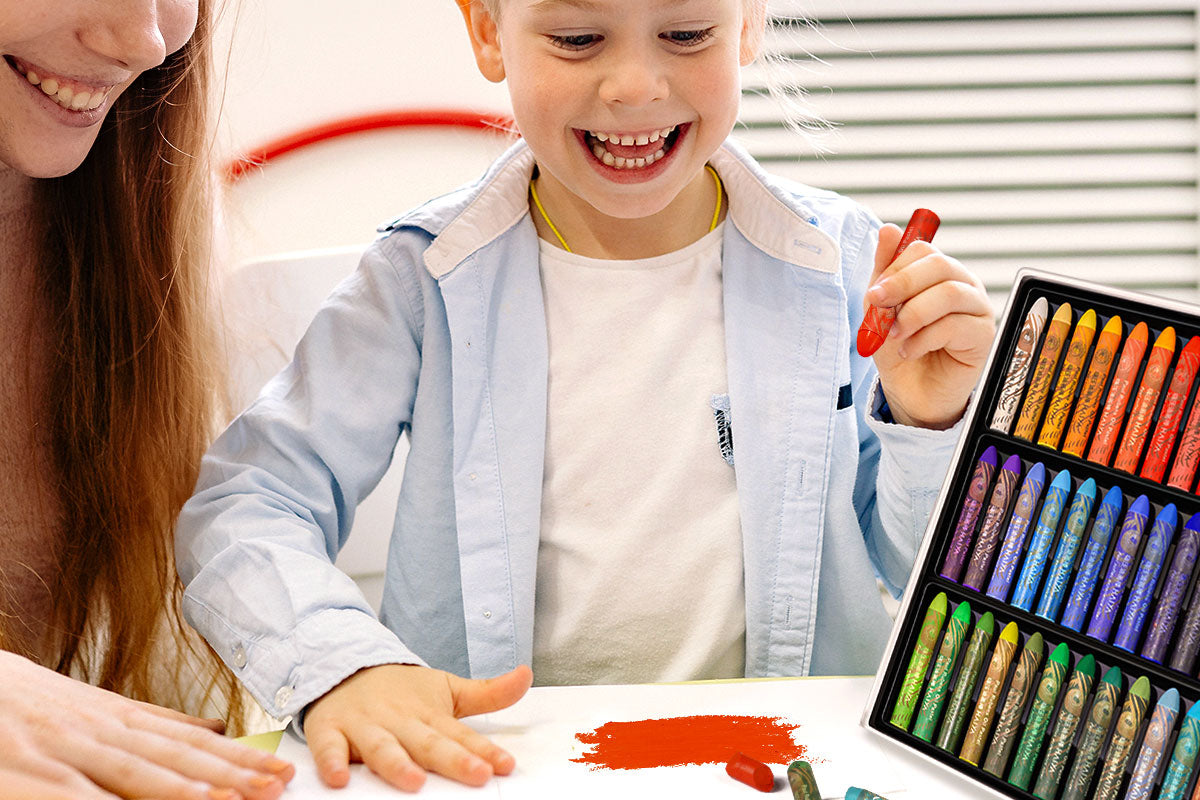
{"x":1183,"y":468}
{"x":878,"y":321}
{"x":1172,"y":411}
{"x":1105,"y":438}
{"x":1134,"y":439}
{"x":750,"y":772}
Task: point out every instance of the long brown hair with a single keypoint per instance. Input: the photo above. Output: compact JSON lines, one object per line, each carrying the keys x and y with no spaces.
{"x":124,"y":265}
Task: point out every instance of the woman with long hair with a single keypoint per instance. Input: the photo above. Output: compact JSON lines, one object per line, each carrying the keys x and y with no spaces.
{"x":107,"y":381}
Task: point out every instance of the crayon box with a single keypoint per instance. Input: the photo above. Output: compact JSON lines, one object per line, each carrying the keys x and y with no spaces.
{"x":1053,"y":606}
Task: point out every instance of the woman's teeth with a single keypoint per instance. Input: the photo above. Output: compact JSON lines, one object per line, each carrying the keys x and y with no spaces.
{"x":67,"y":97}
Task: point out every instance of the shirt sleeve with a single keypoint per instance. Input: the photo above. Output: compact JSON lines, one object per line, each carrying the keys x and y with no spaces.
{"x":276,"y":495}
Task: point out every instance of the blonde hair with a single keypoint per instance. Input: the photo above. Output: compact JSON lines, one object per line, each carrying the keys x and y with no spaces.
{"x":123,"y":263}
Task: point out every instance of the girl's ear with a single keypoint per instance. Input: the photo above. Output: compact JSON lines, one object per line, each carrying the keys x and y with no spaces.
{"x":485,"y":39}
{"x":754,"y":20}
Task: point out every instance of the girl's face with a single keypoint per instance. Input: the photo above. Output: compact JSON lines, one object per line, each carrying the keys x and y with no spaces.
{"x":621,"y":101}
{"x":65,"y":62}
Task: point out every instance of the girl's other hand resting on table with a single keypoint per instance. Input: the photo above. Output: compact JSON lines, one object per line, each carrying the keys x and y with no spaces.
{"x":64,"y":738}
{"x":401,"y":720}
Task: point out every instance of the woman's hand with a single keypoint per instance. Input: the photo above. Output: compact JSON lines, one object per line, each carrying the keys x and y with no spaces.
{"x":402,"y":720}
{"x":933,"y":357}
{"x":60,"y":737}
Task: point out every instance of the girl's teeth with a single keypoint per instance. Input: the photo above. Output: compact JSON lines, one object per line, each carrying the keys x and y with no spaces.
{"x":618,"y":162}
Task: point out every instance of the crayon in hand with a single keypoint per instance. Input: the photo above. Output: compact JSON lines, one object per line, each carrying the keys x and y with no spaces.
{"x":1018,"y":366}
{"x":878,"y":321}
{"x":1068,"y":379}
{"x":1146,"y":401}
{"x":1123,"y":737}
{"x":1095,"y":732}
{"x":1092,"y":391}
{"x":1043,"y":373}
{"x":1167,"y":428}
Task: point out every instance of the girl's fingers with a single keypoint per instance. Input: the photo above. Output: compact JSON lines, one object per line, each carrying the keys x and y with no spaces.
{"x":383,"y":753}
{"x":940,"y":300}
{"x":946,"y":334}
{"x":330,"y":751}
{"x":501,"y":761}
{"x":440,"y":753}
{"x":920,"y":268}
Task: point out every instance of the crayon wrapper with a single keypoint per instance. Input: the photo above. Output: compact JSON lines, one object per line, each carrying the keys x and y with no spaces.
{"x":1134,"y":440}
{"x":980,"y":564}
{"x":1144,"y":583}
{"x":914,"y":676}
{"x":939,"y":681}
{"x":1149,"y":758}
{"x":1188,"y":642}
{"x":1168,"y":418}
{"x":985,"y":705}
{"x":1183,"y":470}
{"x":960,"y":698}
{"x":1089,"y":568}
{"x":1039,"y":386}
{"x":1079,"y":779}
{"x":1165,"y":614}
{"x":1063,"y":734}
{"x":1064,"y":390}
{"x":1090,"y":396}
{"x":960,"y":544}
{"x":1035,"y":726}
{"x":1039,"y":548}
{"x":1183,"y":760}
{"x":1010,"y":714}
{"x":1119,"y":748}
{"x":1064,"y":557}
{"x":1018,"y":367}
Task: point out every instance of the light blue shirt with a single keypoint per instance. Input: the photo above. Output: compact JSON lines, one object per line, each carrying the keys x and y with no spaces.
{"x":441,"y":336}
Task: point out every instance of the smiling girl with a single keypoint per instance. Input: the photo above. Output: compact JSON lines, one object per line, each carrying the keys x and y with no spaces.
{"x":642,"y":445}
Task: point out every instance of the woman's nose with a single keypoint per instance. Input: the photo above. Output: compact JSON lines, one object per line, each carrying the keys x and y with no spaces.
{"x":127,"y":32}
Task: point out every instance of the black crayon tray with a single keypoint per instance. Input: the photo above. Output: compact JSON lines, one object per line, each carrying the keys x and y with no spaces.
{"x":926,"y":581}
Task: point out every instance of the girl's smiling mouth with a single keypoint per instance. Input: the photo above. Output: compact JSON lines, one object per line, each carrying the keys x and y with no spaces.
{"x":632,"y":150}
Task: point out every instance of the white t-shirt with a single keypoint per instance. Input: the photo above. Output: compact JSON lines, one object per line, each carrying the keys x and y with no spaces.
{"x":640,"y":572}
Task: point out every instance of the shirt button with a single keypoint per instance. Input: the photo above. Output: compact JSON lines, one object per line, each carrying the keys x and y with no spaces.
{"x":487,"y":615}
{"x":239,"y":656}
{"x":283,"y":696}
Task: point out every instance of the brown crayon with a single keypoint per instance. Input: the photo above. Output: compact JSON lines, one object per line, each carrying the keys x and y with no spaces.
{"x":1043,"y":373}
{"x":1018,"y":366}
{"x":1093,"y":388}
{"x":1068,"y":379}
{"x":1118,"y":395}
{"x":1133,"y":442}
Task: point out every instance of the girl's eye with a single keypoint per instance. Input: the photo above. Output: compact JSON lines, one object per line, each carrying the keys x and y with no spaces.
{"x":687,"y":38}
{"x":575,"y":42}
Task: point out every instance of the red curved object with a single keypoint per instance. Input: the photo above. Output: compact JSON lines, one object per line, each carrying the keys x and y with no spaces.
{"x":367,"y":122}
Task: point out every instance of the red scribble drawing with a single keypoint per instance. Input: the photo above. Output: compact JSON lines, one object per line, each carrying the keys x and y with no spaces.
{"x":676,"y":741}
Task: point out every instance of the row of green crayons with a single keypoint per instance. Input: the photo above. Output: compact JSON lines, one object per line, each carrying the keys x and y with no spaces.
{"x":1103,"y":404}
{"x":968,"y":735}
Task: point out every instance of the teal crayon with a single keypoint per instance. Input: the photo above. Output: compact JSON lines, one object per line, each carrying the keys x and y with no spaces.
{"x":1018,"y":527}
{"x":1009,"y":722}
{"x":1043,"y":538}
{"x":1044,"y":700}
{"x":918,"y":662}
{"x":1119,"y":567}
{"x":1095,"y":733}
{"x":950,"y":734}
{"x":1162,"y":532}
{"x":1183,"y":758}
{"x":1064,"y":556}
{"x":943,"y":667}
{"x":1075,"y":699}
{"x":1154,"y":744}
{"x":1093,"y":556}
{"x":855,"y":793}
{"x":1124,"y":734}
{"x":803,"y":782}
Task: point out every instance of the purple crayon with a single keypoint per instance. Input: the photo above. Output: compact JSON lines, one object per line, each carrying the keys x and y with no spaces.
{"x":1093,"y":556}
{"x":960,"y":544}
{"x":1109,"y":599}
{"x":1146,"y":579}
{"x":1018,"y":527}
{"x":980,"y":565}
{"x":1174,"y":585}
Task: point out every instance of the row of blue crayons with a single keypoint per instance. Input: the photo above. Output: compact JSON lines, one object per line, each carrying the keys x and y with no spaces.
{"x":997,"y":580}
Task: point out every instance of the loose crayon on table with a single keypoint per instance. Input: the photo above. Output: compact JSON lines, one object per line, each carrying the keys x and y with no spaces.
{"x":1119,"y":567}
{"x":1124,"y":734}
{"x":1145,"y":581}
{"x":980,"y":564}
{"x":1167,"y":427}
{"x":1043,"y":538}
{"x":918,"y":662}
{"x":1092,"y":391}
{"x":943,"y":667}
{"x":989,"y":694}
{"x":1043,"y":373}
{"x":1154,"y":744}
{"x":968,"y":516}
{"x":855,"y":793}
{"x":1014,"y":706}
{"x":1018,"y":366}
{"x":1133,"y":441}
{"x":1183,"y":758}
{"x":1187,"y":457}
{"x":1095,"y":733}
{"x":878,"y":321}
{"x":1068,"y":379}
{"x":1174,"y":585}
{"x":1034,"y":734}
{"x":950,"y":734}
{"x":803,"y":782}
{"x":1018,"y":526}
{"x":1064,"y":556}
{"x":1093,"y":556}
{"x":1063,"y":733}
{"x":750,"y":772}
{"x":1113,"y":414}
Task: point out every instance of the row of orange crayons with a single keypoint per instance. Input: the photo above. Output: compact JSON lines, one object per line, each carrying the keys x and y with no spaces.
{"x":1102,"y":399}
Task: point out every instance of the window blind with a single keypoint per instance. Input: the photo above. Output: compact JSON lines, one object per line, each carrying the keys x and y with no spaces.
{"x":1058,"y":136}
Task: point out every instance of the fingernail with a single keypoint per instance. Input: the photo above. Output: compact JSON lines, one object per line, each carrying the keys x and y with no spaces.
{"x":876,"y":292}
{"x":277,"y":765}
{"x":263,"y":781}
{"x":223,"y":794}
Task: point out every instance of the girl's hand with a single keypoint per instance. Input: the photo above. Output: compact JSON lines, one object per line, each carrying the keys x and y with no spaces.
{"x":60,"y":737}
{"x":933,"y":357}
{"x":402,"y":720}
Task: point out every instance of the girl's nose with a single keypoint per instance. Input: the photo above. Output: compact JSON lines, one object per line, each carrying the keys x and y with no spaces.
{"x":633,"y":80}
{"x":127,"y":33}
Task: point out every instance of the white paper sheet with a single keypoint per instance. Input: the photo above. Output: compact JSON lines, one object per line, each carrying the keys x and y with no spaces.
{"x":540,"y":731}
